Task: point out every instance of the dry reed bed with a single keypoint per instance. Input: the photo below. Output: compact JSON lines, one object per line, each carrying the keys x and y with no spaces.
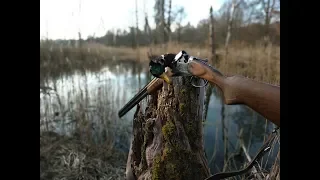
{"x":70,"y":158}
{"x":257,"y":62}
{"x":89,"y":152}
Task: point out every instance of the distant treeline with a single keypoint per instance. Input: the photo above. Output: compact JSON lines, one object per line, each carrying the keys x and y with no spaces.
{"x":189,"y":34}
{"x":252,"y":22}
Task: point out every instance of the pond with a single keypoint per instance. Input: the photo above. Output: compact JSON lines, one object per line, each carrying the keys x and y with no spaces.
{"x":101,"y":94}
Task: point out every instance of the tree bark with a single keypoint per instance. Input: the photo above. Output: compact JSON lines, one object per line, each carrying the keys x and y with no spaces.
{"x":168,"y":138}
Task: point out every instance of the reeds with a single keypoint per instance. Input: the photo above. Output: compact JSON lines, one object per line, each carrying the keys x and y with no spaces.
{"x":80,"y":137}
{"x":64,"y":157}
{"x":255,"y":62}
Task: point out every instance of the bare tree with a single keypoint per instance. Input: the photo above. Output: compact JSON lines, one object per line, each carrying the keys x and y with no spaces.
{"x":80,"y":39}
{"x":209,"y":88}
{"x":137,"y":29}
{"x":234,"y":5}
{"x":160,"y":19}
{"x":114,"y":40}
{"x":268,"y":7}
{"x":264,"y":11}
{"x":212,"y":37}
{"x":180,"y":16}
{"x":147,"y":31}
{"x":168,"y":24}
{"x":163,"y":22}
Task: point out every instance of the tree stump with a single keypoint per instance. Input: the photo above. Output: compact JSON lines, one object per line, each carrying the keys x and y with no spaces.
{"x":168,"y":137}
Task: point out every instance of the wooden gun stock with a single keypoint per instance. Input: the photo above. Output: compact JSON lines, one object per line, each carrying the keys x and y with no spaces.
{"x":261,"y":97}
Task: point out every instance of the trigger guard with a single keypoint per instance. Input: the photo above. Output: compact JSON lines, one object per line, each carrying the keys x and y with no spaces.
{"x":205,"y":82}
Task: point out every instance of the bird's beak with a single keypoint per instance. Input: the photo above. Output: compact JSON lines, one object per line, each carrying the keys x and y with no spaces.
{"x":166,"y":78}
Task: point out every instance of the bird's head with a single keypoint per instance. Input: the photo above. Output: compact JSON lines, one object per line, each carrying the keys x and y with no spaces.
{"x":157,"y":66}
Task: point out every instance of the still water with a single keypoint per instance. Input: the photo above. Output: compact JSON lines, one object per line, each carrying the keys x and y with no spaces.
{"x":103,"y":93}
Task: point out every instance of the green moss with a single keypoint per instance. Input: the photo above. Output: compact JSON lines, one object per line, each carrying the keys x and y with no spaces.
{"x":168,"y":130}
{"x":183,"y":91}
{"x":182,"y":107}
{"x":157,"y":170}
{"x":166,"y":151}
{"x":175,"y":162}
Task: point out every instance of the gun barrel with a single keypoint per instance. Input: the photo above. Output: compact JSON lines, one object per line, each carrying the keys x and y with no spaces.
{"x":136,"y":99}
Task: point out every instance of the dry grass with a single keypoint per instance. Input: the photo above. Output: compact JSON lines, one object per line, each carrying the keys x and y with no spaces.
{"x":89,"y":148}
{"x":255,"y":62}
{"x":275,"y":172}
{"x":70,"y":158}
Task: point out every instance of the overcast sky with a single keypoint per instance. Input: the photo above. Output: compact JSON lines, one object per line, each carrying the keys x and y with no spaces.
{"x":62,"y":19}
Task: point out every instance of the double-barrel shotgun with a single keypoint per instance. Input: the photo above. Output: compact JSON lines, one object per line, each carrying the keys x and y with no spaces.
{"x":261,"y":97}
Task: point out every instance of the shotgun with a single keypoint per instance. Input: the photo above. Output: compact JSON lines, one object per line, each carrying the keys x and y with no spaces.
{"x":262,"y":97}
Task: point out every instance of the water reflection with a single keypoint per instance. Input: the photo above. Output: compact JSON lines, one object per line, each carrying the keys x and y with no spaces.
{"x":102,"y":93}
{"x":238,"y":117}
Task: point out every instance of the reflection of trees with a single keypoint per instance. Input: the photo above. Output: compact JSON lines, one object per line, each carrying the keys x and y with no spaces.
{"x":137,"y":70}
{"x":54,"y":70}
{"x":209,"y":91}
{"x":252,"y":123}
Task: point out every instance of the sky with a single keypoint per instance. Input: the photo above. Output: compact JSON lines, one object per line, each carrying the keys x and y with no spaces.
{"x":62,"y":19}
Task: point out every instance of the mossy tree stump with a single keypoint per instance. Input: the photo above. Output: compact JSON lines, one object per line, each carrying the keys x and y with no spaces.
{"x":167,"y":139}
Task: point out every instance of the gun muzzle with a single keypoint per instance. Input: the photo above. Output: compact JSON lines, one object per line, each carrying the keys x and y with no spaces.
{"x":154,"y":85}
{"x":135,"y":100}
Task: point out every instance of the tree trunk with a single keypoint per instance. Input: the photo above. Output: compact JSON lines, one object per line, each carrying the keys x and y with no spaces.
{"x":137,"y":32}
{"x":179,"y":33}
{"x":163,"y":22}
{"x":212,"y":38}
{"x":230,"y":21}
{"x":147,"y":30}
{"x":167,"y":140}
{"x":168,"y":24}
